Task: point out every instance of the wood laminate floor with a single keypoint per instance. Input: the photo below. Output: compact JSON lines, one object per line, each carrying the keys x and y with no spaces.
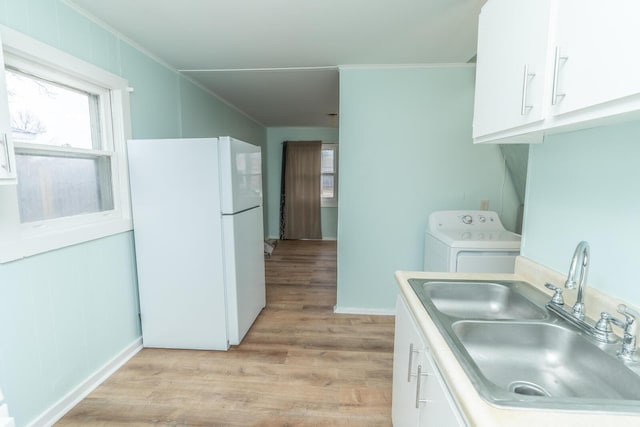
{"x":299,"y":365}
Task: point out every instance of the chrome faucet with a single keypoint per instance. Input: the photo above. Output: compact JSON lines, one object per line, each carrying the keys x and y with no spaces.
{"x":600,"y":330}
{"x":581,"y":257}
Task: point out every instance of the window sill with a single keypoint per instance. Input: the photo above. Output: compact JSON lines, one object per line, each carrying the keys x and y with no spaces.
{"x":22,"y":245}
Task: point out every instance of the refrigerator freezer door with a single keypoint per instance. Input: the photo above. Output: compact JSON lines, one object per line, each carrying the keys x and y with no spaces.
{"x":178,"y":238}
{"x":241,"y":175}
{"x":244,"y":271}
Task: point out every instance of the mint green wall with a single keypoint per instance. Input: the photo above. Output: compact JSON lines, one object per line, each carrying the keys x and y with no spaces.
{"x":329,"y":223}
{"x":275,"y":137}
{"x":65,"y":313}
{"x":585,"y":185}
{"x":406,"y":151}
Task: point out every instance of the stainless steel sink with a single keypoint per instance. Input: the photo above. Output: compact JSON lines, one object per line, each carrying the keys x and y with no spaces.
{"x":518,"y":354}
{"x":481,"y":300}
{"x":545,"y":360}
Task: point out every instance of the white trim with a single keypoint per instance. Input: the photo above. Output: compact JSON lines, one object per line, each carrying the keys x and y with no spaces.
{"x":82,"y":390}
{"x":21,"y":240}
{"x":33,"y":50}
{"x":222,"y":70}
{"x":390,"y":66}
{"x":5,"y":419}
{"x":365,"y":311}
{"x":333,"y":201}
{"x":26,"y":147}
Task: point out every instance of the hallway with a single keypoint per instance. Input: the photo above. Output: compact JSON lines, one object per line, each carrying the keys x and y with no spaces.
{"x":300,"y":364}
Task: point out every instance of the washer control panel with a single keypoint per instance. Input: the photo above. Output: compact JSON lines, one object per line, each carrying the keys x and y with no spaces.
{"x":483,"y":218}
{"x":465,"y":220}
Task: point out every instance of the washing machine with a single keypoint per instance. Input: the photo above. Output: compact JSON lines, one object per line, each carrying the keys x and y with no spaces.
{"x":469,"y":242}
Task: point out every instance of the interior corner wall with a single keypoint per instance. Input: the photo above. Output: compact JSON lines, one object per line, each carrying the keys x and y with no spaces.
{"x":67,"y":312}
{"x":406,"y":151}
{"x":583,"y":185}
{"x":275,"y":137}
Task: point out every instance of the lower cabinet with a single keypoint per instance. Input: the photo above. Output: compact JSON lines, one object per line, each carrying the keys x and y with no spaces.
{"x":420,"y":396}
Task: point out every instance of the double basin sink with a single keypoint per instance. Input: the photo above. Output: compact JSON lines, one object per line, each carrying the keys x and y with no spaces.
{"x":518,"y":354}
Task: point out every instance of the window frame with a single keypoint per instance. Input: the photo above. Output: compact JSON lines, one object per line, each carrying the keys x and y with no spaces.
{"x":331,"y":202}
{"x":25,"y":239}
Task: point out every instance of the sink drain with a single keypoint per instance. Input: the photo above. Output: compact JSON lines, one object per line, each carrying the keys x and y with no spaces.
{"x":527,"y":389}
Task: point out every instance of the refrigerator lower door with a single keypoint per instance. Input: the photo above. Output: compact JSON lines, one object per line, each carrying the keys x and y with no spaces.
{"x":244,"y":271}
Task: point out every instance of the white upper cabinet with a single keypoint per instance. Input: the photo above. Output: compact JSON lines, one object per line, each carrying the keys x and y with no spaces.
{"x":597,"y":60}
{"x":582,"y":53}
{"x":512,"y":60}
{"x":7,"y":156}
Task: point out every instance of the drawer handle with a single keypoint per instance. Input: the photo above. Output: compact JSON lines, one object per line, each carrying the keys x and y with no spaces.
{"x":411,"y":351}
{"x":418,"y":387}
{"x":524,"y":108}
{"x":556,"y":69}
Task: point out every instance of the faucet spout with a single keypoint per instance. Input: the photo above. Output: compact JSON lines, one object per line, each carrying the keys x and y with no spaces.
{"x":580,"y":258}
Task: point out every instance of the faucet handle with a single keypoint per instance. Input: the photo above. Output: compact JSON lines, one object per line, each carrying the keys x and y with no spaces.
{"x":557,"y":296}
{"x":630,"y":326}
{"x":606,"y":319}
{"x":619,"y":323}
{"x":603,"y":326}
{"x":631,"y":317}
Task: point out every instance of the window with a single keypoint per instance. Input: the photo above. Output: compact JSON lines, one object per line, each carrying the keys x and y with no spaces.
{"x":67,"y":123}
{"x":63,"y":160}
{"x":329,"y":175}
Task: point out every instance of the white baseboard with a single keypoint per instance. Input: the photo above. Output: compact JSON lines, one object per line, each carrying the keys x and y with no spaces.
{"x":65,"y":404}
{"x":365,"y":311}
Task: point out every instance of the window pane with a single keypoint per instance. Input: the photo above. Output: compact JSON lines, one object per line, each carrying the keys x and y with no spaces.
{"x":52,"y":187}
{"x":327,"y":186}
{"x":46,"y":113}
{"x":327,"y":161}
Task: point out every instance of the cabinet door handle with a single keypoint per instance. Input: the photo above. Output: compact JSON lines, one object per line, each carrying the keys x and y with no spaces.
{"x":418,"y":387}
{"x":524,"y":108}
{"x":7,"y":153}
{"x":411,"y":351}
{"x":556,"y":69}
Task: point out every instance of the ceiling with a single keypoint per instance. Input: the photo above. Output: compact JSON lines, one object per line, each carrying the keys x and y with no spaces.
{"x":277,"y":60}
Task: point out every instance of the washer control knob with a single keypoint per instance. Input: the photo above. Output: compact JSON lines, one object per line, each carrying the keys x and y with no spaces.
{"x":467,"y":219}
{"x":482,"y":218}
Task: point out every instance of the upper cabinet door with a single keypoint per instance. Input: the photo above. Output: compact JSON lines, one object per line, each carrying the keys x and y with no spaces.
{"x":7,"y":157}
{"x":596,"y":53}
{"x":513,"y":45}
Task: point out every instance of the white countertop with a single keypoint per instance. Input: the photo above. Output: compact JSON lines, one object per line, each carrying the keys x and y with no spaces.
{"x":478,"y":412}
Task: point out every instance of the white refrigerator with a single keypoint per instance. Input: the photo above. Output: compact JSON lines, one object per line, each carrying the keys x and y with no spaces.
{"x":197,"y":217}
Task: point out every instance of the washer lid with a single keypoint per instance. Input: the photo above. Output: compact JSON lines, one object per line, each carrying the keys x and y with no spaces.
{"x":491,"y":240}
